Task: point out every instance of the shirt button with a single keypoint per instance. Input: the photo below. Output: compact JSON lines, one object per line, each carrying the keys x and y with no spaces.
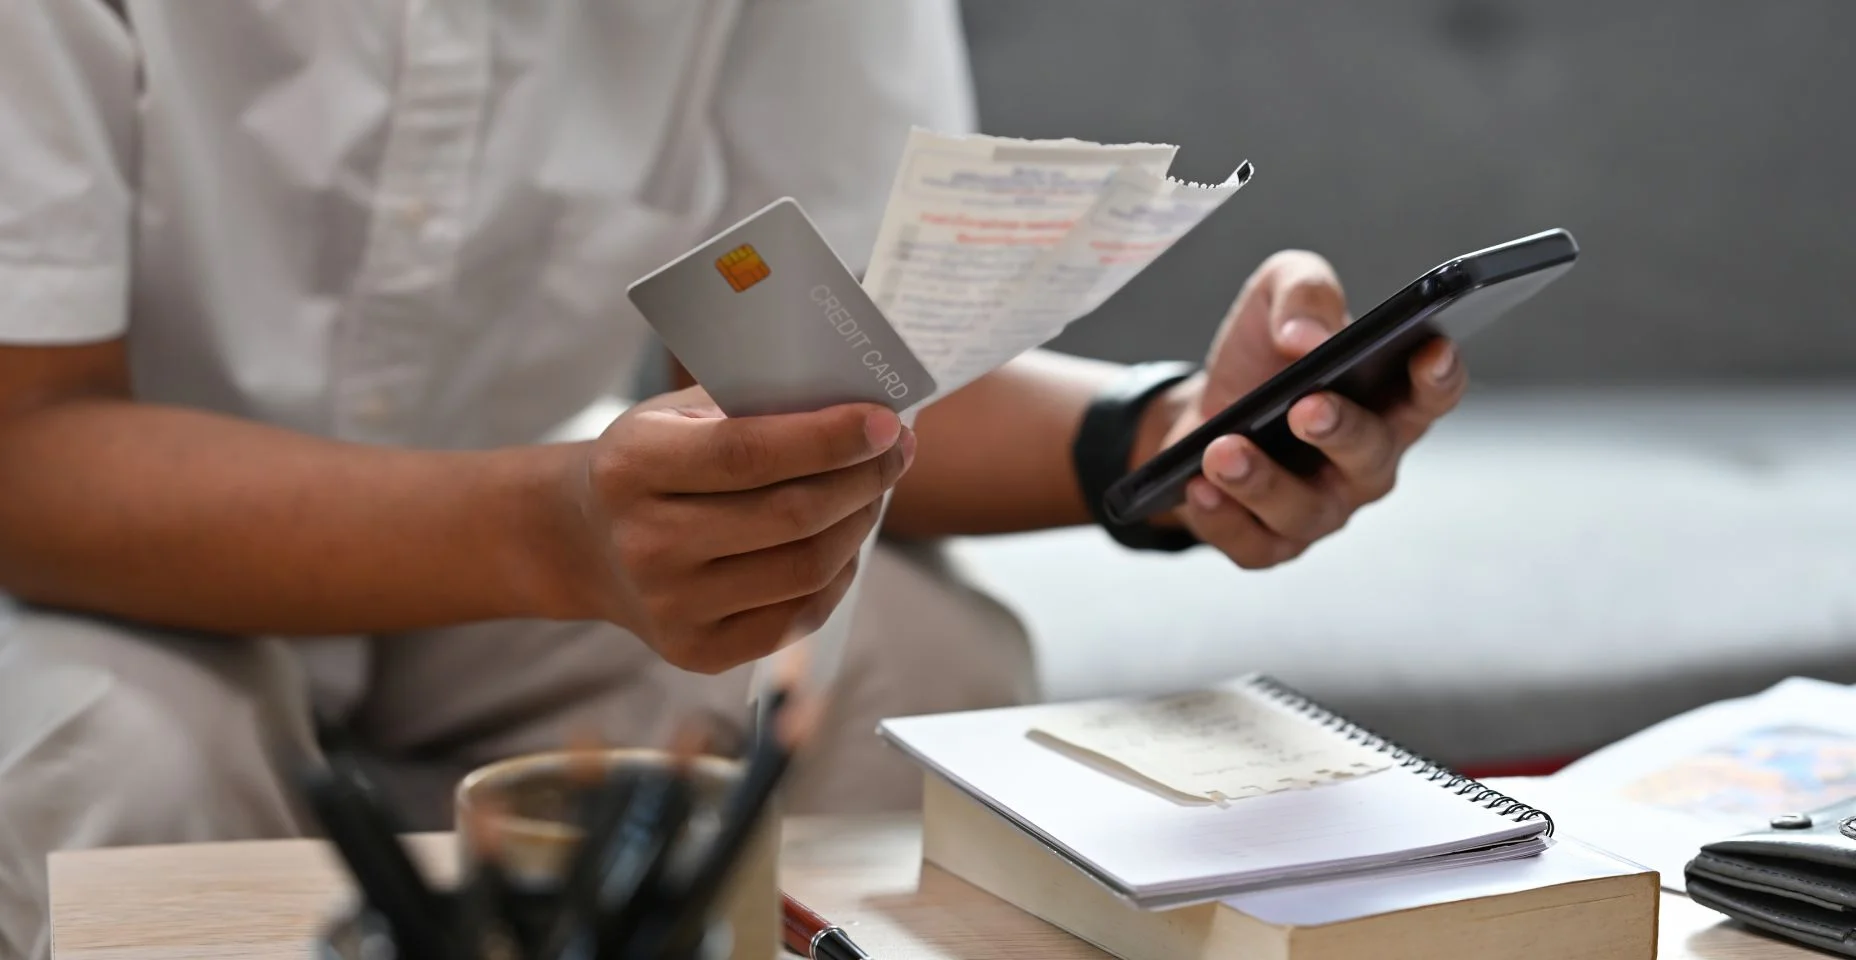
{"x":415,"y":213}
{"x":373,"y":408}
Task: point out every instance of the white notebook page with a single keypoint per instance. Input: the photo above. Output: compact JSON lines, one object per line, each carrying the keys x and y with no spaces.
{"x":1153,"y":847}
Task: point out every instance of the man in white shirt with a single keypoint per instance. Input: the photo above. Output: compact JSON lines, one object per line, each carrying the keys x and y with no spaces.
{"x":291,"y":294}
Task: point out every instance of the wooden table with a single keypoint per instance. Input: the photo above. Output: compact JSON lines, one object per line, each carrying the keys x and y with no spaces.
{"x":263,"y":901}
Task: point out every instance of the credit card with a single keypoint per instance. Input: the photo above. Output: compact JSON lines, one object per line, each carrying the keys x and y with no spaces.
{"x":768,"y":319}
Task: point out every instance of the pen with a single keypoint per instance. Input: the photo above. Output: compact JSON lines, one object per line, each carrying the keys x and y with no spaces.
{"x":740,"y":815}
{"x":786,"y":724}
{"x":364,"y":834}
{"x":812,"y":936}
{"x":633,"y":870}
{"x":603,"y":810}
{"x":482,"y":907}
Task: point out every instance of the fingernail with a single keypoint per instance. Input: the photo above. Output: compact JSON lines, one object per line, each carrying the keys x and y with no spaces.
{"x":881,"y":427}
{"x":1234,"y":466}
{"x":908,"y":449}
{"x":1322,"y":421}
{"x":1444,"y":365}
{"x":1303,"y":333}
{"x":1205,"y":497}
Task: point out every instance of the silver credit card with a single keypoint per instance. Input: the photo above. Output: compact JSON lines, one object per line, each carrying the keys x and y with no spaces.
{"x":769,"y":320}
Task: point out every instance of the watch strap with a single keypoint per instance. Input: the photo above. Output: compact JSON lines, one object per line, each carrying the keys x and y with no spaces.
{"x":1104,"y":445}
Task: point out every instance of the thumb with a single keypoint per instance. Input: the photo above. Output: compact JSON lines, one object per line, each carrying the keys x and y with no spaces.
{"x":1307,"y":305}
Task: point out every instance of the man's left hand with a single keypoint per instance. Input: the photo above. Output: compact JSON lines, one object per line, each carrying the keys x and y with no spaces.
{"x":1245,"y":504}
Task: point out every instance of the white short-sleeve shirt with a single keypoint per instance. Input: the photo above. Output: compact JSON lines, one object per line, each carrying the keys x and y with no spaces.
{"x":413,"y":221}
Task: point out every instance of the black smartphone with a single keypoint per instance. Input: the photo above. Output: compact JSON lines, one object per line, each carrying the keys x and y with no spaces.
{"x":1368,"y":362}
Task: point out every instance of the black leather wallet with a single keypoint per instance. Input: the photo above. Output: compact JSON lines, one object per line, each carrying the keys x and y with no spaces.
{"x":1796,"y":878}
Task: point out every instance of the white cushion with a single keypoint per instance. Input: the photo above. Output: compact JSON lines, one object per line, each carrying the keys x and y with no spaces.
{"x":1555,"y":570}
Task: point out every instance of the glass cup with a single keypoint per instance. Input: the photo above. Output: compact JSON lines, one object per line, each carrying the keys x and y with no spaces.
{"x":532,"y":800}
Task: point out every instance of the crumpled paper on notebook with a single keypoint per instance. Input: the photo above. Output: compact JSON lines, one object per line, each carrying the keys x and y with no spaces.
{"x":1207,"y":746}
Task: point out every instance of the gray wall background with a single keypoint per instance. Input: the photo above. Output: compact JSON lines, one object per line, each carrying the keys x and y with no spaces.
{"x":1703,"y":154}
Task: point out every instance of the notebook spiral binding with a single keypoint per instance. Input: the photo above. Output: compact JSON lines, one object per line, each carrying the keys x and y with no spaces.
{"x":1467,"y":788}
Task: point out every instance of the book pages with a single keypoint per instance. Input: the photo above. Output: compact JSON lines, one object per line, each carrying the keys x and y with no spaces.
{"x":1722,"y":769}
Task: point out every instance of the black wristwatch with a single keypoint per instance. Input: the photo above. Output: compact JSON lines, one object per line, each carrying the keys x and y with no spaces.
{"x":1105,"y":443}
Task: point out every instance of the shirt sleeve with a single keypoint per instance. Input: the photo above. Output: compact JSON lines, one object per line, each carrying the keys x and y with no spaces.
{"x":816,"y":98}
{"x":67,"y":118}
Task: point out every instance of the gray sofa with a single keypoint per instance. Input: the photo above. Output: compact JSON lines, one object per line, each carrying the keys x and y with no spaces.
{"x":1649,"y":500}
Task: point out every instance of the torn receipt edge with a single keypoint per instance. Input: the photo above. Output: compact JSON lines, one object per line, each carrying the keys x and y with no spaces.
{"x":989,"y":247}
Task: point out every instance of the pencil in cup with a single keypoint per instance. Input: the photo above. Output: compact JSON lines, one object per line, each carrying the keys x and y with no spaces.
{"x":538,"y":841}
{"x":585,"y":854}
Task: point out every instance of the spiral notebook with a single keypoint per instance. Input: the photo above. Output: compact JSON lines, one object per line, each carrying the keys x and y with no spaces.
{"x":1243,"y":786}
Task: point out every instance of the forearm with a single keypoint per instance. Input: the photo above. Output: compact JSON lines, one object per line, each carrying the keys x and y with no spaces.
{"x":199,"y":521}
{"x":994,"y":457}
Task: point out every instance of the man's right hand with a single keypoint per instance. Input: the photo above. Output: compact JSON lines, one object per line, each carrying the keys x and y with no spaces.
{"x":717,"y":539}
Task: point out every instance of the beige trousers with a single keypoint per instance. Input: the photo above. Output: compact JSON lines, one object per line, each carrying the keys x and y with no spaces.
{"x":113,"y":734}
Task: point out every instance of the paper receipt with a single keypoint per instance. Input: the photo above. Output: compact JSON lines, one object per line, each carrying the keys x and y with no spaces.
{"x":991,"y":246}
{"x":1214,"y":745}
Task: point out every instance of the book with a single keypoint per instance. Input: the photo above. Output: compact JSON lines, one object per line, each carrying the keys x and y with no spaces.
{"x":1571,"y":901}
{"x":1196,"y":797}
{"x":1659,"y":795}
